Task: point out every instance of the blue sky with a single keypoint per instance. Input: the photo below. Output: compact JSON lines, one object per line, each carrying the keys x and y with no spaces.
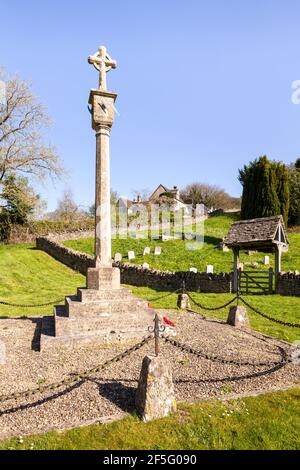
{"x":203,"y":86}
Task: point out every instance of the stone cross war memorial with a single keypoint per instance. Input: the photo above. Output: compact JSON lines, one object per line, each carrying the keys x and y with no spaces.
{"x":103,"y":311}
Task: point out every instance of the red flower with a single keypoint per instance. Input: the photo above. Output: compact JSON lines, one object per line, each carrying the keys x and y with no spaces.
{"x":168,"y":322}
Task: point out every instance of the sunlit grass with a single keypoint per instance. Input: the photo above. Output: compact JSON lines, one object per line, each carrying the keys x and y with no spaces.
{"x":248,"y":423}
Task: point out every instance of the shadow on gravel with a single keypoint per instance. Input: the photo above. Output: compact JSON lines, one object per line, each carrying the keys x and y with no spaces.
{"x":119,"y":394}
{"x":41,"y":401}
{"x":233,"y":378}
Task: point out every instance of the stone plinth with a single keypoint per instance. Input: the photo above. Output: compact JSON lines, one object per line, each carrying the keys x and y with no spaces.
{"x":155,"y":394}
{"x":103,"y":278}
{"x":238,"y":317}
{"x":100,"y":315}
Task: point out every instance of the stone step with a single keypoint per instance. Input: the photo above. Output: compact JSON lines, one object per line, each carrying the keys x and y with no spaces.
{"x":105,"y":324}
{"x":98,"y":338}
{"x":75,"y":308}
{"x":93,"y":295}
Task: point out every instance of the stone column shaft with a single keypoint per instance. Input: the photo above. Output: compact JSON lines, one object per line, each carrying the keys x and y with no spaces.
{"x":102,"y":199}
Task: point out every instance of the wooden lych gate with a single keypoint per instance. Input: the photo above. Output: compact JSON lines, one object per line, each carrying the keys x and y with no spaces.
{"x":256,"y":282}
{"x":268,"y":235}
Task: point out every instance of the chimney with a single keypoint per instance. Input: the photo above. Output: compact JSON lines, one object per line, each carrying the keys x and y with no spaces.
{"x":177,"y":192}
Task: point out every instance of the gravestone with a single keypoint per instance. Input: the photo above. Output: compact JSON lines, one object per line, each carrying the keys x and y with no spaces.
{"x":209,"y":269}
{"x":267,"y":260}
{"x":146,"y":266}
{"x":118,"y":257}
{"x":193,"y":270}
{"x":131,"y":255}
{"x":157,"y":250}
{"x":146,"y":251}
{"x":252,"y":252}
{"x":166,"y":238}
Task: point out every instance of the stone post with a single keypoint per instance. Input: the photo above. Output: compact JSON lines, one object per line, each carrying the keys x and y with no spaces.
{"x":103,"y":275}
{"x":155,"y":396}
{"x":238,"y":317}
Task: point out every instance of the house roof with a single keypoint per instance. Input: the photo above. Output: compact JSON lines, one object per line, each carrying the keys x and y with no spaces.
{"x":263,"y":233}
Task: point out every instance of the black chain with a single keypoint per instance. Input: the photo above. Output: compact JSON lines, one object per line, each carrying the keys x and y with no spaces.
{"x":275,"y":320}
{"x":31,"y":305}
{"x":211,"y":308}
{"x":189,"y":349}
{"x":164,"y":295}
{"x":77,"y":377}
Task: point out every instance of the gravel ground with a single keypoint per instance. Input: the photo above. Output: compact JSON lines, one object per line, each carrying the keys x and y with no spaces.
{"x":111,"y":392}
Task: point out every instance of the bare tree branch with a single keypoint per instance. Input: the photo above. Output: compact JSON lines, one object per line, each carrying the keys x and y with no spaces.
{"x":22,"y":122}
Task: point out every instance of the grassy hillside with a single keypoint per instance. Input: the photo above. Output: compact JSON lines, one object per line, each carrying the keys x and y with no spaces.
{"x":248,"y":423}
{"x":176,"y":256}
{"x":30,"y":276}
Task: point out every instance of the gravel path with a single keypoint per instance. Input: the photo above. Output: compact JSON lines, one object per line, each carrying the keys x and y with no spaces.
{"x":111,"y":392}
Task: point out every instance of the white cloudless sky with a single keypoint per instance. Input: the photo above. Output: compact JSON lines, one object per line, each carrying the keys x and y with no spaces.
{"x":203,"y":86}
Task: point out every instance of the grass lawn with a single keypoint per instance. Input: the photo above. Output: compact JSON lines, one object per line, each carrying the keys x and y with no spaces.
{"x":248,"y":423}
{"x":31,"y":276}
{"x":281,"y":307}
{"x":176,"y":257}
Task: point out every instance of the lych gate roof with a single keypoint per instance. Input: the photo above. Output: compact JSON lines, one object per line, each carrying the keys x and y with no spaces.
{"x":261,"y":233}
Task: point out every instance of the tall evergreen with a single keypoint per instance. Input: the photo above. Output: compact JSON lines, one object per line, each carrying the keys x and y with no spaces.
{"x":265,"y":189}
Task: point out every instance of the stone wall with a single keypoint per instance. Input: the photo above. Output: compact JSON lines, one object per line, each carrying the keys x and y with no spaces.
{"x":135,"y":275}
{"x":288,"y":283}
{"x":74,"y":259}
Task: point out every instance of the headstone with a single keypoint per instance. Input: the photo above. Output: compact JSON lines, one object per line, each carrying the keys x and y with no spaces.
{"x":155,"y":397}
{"x":146,"y":251}
{"x":238,"y":317}
{"x":157,"y":250}
{"x":193,"y":270}
{"x":166,"y":238}
{"x":118,"y":257}
{"x":131,"y":255}
{"x":267,"y":260}
{"x":252,"y":252}
{"x":223,"y":246}
{"x":146,"y":266}
{"x":209,"y":269}
{"x":241,"y":266}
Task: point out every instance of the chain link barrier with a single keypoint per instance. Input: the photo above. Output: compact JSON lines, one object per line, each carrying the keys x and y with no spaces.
{"x":264,"y":315}
{"x":211,"y":308}
{"x":77,"y":377}
{"x":190,"y":350}
{"x":164,"y":295}
{"x":32,"y":305}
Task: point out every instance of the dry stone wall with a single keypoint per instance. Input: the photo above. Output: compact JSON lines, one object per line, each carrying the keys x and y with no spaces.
{"x":288,"y":283}
{"x":136,"y":275}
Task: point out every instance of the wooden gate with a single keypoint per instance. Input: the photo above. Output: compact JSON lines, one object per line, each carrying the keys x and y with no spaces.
{"x":256,"y":282}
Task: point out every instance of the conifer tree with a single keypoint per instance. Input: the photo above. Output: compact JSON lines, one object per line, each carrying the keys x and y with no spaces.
{"x":265,"y":189}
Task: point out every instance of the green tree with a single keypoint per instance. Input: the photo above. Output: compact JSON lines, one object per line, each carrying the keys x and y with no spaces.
{"x":265,"y":189}
{"x":17,"y":204}
{"x":294,"y":187}
{"x":18,"y":199}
